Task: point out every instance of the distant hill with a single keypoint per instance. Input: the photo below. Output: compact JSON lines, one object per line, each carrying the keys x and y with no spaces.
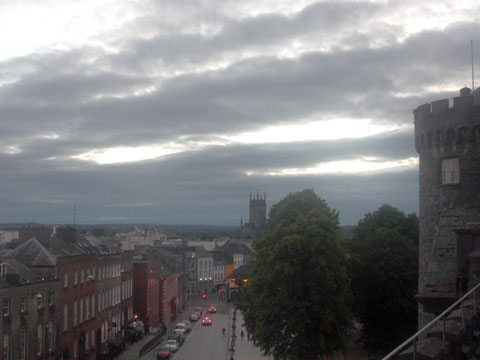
{"x":203,"y":232}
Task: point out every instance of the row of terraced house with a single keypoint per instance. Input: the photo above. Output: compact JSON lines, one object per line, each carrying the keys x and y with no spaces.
{"x":69,"y":296}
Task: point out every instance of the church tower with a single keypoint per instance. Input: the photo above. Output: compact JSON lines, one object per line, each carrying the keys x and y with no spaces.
{"x":258,"y":211}
{"x":258,"y":215}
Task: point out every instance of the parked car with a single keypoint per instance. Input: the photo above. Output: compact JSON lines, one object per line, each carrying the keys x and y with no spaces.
{"x":173,"y":345}
{"x":180,"y":328}
{"x":188,"y":324}
{"x":178,"y":338}
{"x":164,"y":352}
{"x":212,"y":309}
{"x":194,"y":316}
{"x":206,"y":321}
{"x":198,"y":310}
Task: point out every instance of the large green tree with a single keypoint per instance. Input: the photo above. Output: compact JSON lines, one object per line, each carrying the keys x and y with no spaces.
{"x":296,"y":303}
{"x":383,"y":269}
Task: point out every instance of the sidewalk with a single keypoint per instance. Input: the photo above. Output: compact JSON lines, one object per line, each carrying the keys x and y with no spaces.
{"x":244,"y":349}
{"x":133,"y":350}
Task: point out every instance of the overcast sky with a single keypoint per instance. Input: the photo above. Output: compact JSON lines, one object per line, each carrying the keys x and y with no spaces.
{"x":173,"y":111}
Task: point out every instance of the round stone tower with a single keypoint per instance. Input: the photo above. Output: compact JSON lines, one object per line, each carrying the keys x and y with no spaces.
{"x":447,"y":138}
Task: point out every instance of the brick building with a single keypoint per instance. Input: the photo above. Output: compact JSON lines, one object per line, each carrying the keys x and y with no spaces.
{"x":168,"y":296}
{"x":146,"y":287}
{"x":28,"y":323}
{"x":127,"y":288}
{"x":109,"y":307}
{"x":76,"y":306}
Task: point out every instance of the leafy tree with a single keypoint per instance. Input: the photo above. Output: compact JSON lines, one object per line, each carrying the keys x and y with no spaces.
{"x":383,"y":271}
{"x":296,"y":303}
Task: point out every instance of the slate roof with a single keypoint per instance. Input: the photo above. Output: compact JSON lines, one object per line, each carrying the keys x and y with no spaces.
{"x":32,"y":253}
{"x":222,"y":258}
{"x":17,"y":273}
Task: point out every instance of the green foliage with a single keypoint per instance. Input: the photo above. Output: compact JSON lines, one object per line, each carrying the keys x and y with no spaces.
{"x":383,"y":270}
{"x":296,"y":302}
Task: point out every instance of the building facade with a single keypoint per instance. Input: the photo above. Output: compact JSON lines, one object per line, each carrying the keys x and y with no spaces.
{"x":168,"y":296}
{"x":146,"y":287}
{"x":109,"y":307}
{"x":28,"y":325}
{"x":447,"y":139}
{"x":127,"y":289}
{"x":76,"y":306}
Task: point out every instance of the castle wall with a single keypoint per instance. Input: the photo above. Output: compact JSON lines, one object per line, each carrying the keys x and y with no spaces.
{"x":444,"y":132}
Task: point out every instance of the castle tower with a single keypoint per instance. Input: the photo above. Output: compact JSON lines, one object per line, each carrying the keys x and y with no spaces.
{"x":447,"y":139}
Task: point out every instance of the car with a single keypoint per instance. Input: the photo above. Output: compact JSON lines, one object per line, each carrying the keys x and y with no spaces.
{"x":194,"y":316}
{"x":178,"y":338}
{"x":172,"y":344}
{"x":212,"y":309}
{"x":164,"y":352}
{"x":198,"y":310}
{"x":206,"y":321}
{"x":188,"y":324}
{"x":180,"y":328}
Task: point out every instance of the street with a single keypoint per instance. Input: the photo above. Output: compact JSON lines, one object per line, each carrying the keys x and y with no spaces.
{"x":204,"y":342}
{"x":207,"y":342}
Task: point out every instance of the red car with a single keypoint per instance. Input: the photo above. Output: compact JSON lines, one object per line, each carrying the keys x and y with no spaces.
{"x":212,"y":309}
{"x":206,"y":321}
{"x":164,"y":353}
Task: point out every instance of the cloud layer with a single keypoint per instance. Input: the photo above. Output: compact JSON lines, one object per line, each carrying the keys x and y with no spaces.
{"x":143,"y":116}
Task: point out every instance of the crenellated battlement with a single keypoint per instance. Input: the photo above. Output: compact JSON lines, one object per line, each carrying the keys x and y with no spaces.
{"x":438,"y":123}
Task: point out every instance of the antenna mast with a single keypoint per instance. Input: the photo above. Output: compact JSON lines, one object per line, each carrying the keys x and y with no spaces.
{"x":473,"y":76}
{"x":74,"y":213}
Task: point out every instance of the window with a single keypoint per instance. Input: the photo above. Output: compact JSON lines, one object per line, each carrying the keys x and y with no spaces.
{"x":39,"y":298}
{"x":93,"y":306}
{"x":6,"y":346}
{"x":39,"y":338}
{"x":81,"y":310}
{"x":450,"y":171}
{"x":93,"y":338}
{"x":3,"y":270}
{"x":51,"y":297}
{"x":65,"y":280}
{"x":65,"y":317}
{"x":75,"y":308}
{"x":50,"y":341}
{"x":75,"y":278}
{"x":82,"y":276}
{"x":23,"y":304}
{"x":23,"y":344}
{"x":6,"y":307}
{"x":87,"y":307}
{"x":74,"y":348}
{"x":87,"y":345}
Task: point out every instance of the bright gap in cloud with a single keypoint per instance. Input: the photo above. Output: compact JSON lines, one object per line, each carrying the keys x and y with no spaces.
{"x":128,"y":154}
{"x":316,"y":130}
{"x":39,"y":25}
{"x":340,"y":167}
{"x":312,"y":131}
